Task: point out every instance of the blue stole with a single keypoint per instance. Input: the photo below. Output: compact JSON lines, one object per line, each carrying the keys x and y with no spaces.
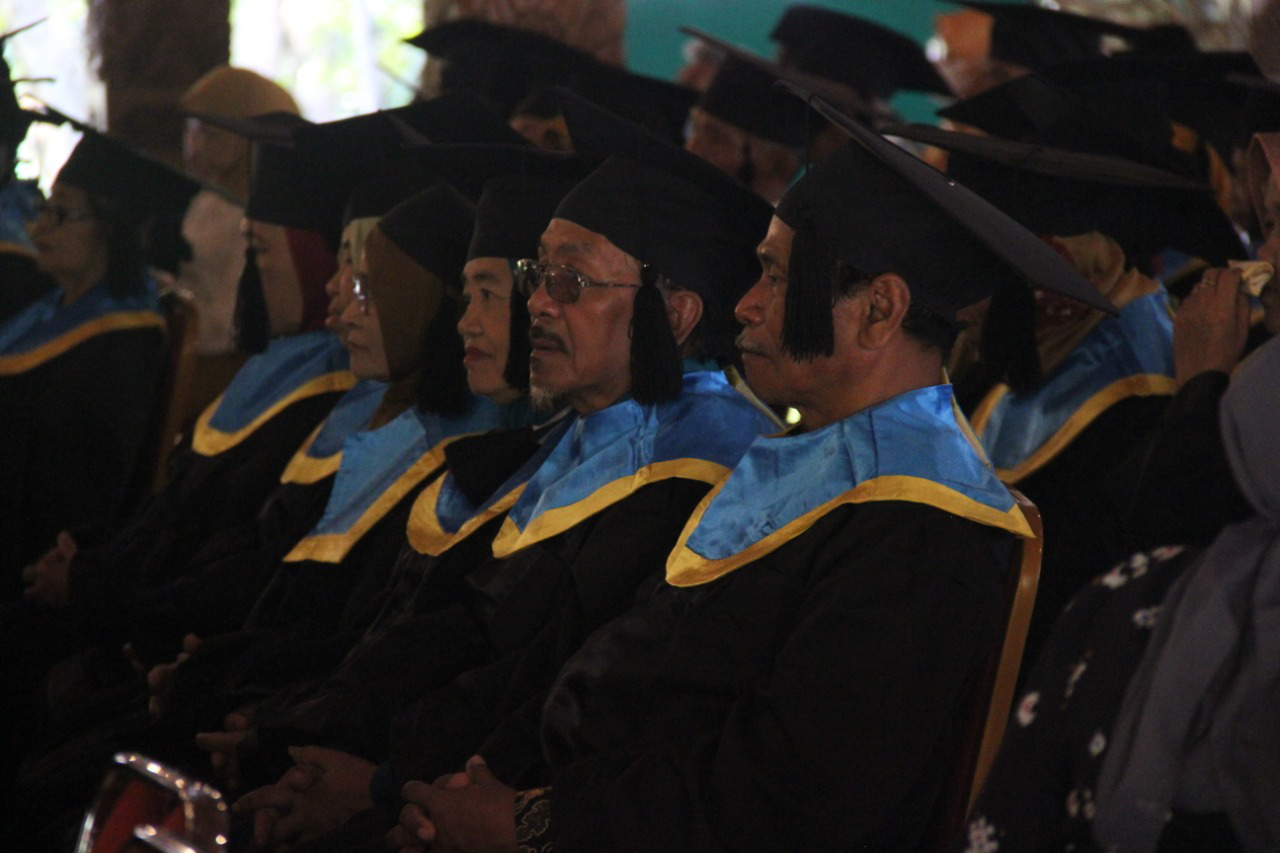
{"x":607,"y":455}
{"x":321,"y":453}
{"x":46,"y":329}
{"x":914,"y":447}
{"x":17,"y":210}
{"x":1125,"y":356}
{"x":292,"y":368}
{"x":380,"y":467}
{"x":443,"y":516}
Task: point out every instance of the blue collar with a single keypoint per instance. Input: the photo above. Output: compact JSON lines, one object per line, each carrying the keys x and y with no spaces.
{"x":18,"y":201}
{"x":380,"y":467}
{"x":320,"y":454}
{"x":605,"y":456}
{"x":47,"y":321}
{"x":291,"y":369}
{"x":914,"y":447}
{"x":1125,"y":356}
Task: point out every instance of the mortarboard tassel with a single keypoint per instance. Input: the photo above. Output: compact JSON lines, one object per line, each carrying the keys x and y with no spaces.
{"x":516,"y":372}
{"x":807,"y":330}
{"x":442,"y":381}
{"x":1008,"y":342}
{"x":252,"y":325}
{"x":655,"y":357}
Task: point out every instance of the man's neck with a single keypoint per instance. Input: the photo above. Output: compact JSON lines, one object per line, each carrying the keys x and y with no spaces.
{"x":877,"y":386}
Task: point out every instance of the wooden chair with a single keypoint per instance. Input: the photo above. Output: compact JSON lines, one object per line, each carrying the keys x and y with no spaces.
{"x":145,"y":806}
{"x":992,"y":693}
{"x":177,"y":372}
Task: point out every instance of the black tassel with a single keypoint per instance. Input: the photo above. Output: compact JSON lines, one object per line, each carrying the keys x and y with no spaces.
{"x":442,"y":380}
{"x":807,"y":329}
{"x":656,"y":374}
{"x":252,"y":324}
{"x":1007,"y":346}
{"x":516,"y":372}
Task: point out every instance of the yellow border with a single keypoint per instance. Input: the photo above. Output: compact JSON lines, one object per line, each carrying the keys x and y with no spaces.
{"x":553,"y":522}
{"x":117,"y":322}
{"x":686,"y":567}
{"x":988,"y":405}
{"x":305,"y":470}
{"x":1138,"y":385}
{"x":210,"y":441}
{"x":428,"y":537}
{"x":334,"y":547}
{"x":11,"y":248}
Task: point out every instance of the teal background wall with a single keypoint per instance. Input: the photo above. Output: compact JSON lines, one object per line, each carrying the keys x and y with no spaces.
{"x":654,"y":44}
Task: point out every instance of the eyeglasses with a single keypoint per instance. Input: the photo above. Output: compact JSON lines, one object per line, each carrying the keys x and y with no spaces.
{"x":564,"y":285}
{"x":363,"y":293}
{"x":59,"y":214}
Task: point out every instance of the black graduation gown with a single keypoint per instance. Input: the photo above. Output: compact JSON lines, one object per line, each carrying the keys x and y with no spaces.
{"x":453,"y":673}
{"x":806,"y":701}
{"x":20,"y":282}
{"x":1040,"y":794}
{"x":1082,"y":525}
{"x":71,"y":429}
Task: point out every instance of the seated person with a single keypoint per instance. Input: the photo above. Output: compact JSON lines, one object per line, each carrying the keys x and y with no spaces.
{"x":1148,"y":723}
{"x":80,"y":367}
{"x":794,"y":680}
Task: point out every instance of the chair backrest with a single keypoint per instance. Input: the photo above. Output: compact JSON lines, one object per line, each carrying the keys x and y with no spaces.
{"x":182,"y":325}
{"x":143,"y":805}
{"x":991,"y":695}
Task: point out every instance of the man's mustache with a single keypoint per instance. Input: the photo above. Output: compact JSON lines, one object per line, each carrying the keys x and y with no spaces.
{"x":745,"y":345}
{"x":537,"y":333}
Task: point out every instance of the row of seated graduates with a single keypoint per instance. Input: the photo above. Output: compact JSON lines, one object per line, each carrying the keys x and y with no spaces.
{"x":1119,"y":218}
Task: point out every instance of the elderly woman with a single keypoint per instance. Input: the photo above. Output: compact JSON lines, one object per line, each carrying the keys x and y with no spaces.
{"x":79,"y":367}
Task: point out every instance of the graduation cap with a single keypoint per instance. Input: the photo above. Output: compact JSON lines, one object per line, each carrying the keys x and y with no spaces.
{"x":276,"y":128}
{"x":1260,"y":112}
{"x":873,"y":59}
{"x":1198,"y":91}
{"x":881,"y":209}
{"x":508,"y":66}
{"x":434,"y":228}
{"x":675,"y":213}
{"x":1125,"y":118}
{"x":1037,"y":37}
{"x":742,"y":94}
{"x":144,"y":191}
{"x":1063,"y":192}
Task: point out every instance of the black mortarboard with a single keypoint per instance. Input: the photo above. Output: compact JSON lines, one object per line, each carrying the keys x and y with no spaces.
{"x":1062,"y":192}
{"x":468,"y":168}
{"x":276,"y":128}
{"x":742,"y":94}
{"x":1124,"y":119}
{"x":14,"y":120}
{"x":676,"y":213}
{"x":433,"y":227}
{"x":1260,"y":112}
{"x":1198,"y":92}
{"x":508,"y":65}
{"x":871,"y":58}
{"x":881,"y":209}
{"x":1036,"y":37}
{"x":143,"y":188}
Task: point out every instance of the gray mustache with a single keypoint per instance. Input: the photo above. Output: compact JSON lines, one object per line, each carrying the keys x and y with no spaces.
{"x":537,"y":333}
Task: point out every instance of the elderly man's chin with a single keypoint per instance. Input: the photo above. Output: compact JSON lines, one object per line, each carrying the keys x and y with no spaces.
{"x":544,"y":398}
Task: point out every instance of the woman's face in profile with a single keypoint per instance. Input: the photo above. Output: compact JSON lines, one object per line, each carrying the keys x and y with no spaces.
{"x":69,"y":240}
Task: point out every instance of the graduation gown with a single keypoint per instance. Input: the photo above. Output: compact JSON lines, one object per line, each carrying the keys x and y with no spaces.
{"x":796,"y":681}
{"x":78,"y":388}
{"x":20,"y":282}
{"x":1061,"y":443}
{"x":221,"y":477}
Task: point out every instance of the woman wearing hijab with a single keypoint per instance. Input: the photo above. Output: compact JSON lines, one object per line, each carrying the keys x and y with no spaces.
{"x":79,"y":367}
{"x":1149,"y":722}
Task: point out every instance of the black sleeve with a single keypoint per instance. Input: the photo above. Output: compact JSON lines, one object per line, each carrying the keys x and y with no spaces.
{"x":843,"y":742}
{"x":626,"y":543}
{"x":1176,"y":487}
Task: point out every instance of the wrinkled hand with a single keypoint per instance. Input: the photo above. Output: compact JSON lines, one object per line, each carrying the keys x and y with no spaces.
{"x":160,"y":677}
{"x":468,"y":813}
{"x":320,"y":793}
{"x":1211,"y":327}
{"x":222,"y":745}
{"x":47,"y":578}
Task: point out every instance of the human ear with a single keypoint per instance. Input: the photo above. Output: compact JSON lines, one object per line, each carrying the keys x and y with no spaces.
{"x":684,"y":310}
{"x":887,"y":300}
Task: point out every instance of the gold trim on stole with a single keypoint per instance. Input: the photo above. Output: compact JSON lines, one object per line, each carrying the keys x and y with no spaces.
{"x":210,"y":441}
{"x":117,"y":322}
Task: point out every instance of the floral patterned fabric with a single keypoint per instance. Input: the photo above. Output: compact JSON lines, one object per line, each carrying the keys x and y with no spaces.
{"x":1040,"y":795}
{"x":533,"y":821}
